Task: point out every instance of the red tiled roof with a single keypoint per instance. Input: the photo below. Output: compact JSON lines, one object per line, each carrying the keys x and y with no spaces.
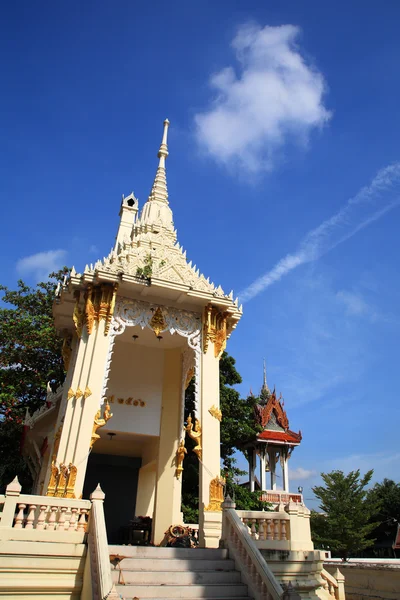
{"x":280,"y":436}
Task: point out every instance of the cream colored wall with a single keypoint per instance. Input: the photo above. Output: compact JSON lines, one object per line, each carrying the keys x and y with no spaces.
{"x":147,"y":480}
{"x":136,"y":372}
{"x":168,"y":487}
{"x":368,"y":580}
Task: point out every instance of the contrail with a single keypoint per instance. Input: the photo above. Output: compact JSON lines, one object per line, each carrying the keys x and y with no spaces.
{"x":367,"y":206}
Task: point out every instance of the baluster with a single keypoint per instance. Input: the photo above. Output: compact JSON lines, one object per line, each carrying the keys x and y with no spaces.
{"x":276,"y":529}
{"x":31,"y":516}
{"x":52,"y":520}
{"x":42,"y":517}
{"x":72,"y":522}
{"x":61,"y":519}
{"x":283,"y":530}
{"x":19,"y":519}
{"x":269,"y":529}
{"x":253,"y":528}
{"x":326,"y":586}
{"x":82,"y":520}
{"x":261,"y":529}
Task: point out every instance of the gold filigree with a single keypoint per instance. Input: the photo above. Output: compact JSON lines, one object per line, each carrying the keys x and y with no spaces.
{"x":87,"y":393}
{"x":158,"y":323}
{"x":78,"y":393}
{"x":214,"y":329}
{"x":70,"y":487}
{"x":51,"y":488}
{"x":189,"y":377}
{"x":216,"y":494}
{"x":62,"y":482}
{"x":180,"y":455}
{"x":195,"y":434}
{"x":90,"y":312}
{"x":66,"y":351}
{"x":111,"y":309}
{"x":56,"y":443}
{"x":78,"y":315}
{"x":215,"y":412}
{"x":70,"y":394}
{"x":100,"y":422}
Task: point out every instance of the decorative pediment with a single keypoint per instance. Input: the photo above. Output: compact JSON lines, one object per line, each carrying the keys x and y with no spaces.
{"x":272,"y":412}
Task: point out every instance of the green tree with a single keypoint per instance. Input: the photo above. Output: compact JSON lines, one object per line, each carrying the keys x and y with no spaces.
{"x":345,"y":527}
{"x":30,"y":356}
{"x":386,"y":496}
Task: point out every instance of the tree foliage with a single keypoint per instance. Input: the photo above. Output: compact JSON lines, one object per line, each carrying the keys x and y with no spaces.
{"x":30,"y":356}
{"x":346,"y":525}
{"x":386,"y":496}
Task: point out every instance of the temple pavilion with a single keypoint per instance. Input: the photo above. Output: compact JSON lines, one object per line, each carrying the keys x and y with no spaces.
{"x":137,"y":326}
{"x":273,"y":445}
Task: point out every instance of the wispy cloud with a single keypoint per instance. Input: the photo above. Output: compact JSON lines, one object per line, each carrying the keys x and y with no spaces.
{"x":272,"y":97}
{"x":301,"y":474}
{"x":41,"y":264}
{"x":370,"y":204}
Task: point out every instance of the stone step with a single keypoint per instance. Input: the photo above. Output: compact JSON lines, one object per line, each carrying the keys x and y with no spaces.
{"x":175,"y":564}
{"x":183,"y":591}
{"x":158,"y":578}
{"x":155,"y":552}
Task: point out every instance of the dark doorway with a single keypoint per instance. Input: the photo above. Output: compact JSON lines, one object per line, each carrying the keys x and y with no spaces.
{"x":118,"y":478}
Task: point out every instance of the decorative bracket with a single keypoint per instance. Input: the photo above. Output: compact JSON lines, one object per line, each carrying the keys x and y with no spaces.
{"x":215,"y":412}
{"x":195,"y":434}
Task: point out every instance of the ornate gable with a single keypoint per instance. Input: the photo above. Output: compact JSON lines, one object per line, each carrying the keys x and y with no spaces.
{"x":272,"y":413}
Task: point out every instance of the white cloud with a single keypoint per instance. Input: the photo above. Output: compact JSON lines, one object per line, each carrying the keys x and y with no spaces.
{"x":274,"y":97}
{"x":300,"y":474}
{"x":40,"y":265}
{"x":367,"y":206}
{"x":354,"y":303}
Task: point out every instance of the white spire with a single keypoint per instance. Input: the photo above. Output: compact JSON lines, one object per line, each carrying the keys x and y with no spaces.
{"x":159,"y":190}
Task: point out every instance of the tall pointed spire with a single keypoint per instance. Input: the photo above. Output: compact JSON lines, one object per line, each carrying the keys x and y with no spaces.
{"x":159,"y":190}
{"x":265,"y":391}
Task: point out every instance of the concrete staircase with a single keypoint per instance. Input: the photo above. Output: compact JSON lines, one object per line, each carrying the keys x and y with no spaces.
{"x":146,"y":572}
{"x":31,"y":571}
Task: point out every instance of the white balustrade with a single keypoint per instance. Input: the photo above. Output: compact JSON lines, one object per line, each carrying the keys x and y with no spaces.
{"x":30,"y":514}
{"x":264,"y":526}
{"x":334,"y":585}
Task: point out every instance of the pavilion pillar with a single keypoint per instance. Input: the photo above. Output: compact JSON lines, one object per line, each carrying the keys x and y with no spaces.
{"x":285,"y":470}
{"x":82,"y":399}
{"x":167,"y":502}
{"x":252,"y":468}
{"x":272,"y":466}
{"x":210,"y":492}
{"x":263,"y":483}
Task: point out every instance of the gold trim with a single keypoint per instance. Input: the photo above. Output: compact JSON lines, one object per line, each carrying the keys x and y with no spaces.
{"x":214,"y":329}
{"x":158,"y":323}
{"x":70,"y":487}
{"x":62,"y":481}
{"x":90,"y":312}
{"x":100,"y":422}
{"x":215,"y":412}
{"x":180,"y":455}
{"x":78,"y":393}
{"x":70,"y":394}
{"x":216,"y":494}
{"x":66,"y":351}
{"x":87,"y":393}
{"x":195,"y":434}
{"x":78,"y":315}
{"x":51,"y":488}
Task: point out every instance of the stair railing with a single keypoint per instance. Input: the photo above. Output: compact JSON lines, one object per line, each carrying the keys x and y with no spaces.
{"x":100,"y":566}
{"x":248,"y":559}
{"x":334,"y":584}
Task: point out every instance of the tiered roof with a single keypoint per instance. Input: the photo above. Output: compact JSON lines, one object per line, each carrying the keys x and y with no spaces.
{"x":270,"y":414}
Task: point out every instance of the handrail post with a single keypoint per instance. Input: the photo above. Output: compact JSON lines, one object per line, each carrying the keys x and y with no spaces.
{"x":13,"y":490}
{"x":340,"y":581}
{"x":227,"y":504}
{"x":99,"y":540}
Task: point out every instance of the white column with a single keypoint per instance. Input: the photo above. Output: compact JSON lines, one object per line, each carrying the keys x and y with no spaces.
{"x":262,"y":469}
{"x":272,"y":467}
{"x":285,"y":471}
{"x":252,"y":468}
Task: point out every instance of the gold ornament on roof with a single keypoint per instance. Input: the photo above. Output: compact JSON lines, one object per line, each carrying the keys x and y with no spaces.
{"x":180,"y":455}
{"x":215,"y":412}
{"x":100,"y":422}
{"x":158,"y":323}
{"x":216,"y":494}
{"x":214,"y":329}
{"x":78,"y":315}
{"x":195,"y":434}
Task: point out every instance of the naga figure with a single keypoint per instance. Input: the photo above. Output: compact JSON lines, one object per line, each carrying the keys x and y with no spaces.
{"x":100,"y":422}
{"x":195,"y":434}
{"x":180,"y":455}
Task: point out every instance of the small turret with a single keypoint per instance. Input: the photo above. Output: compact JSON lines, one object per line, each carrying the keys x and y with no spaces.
{"x":127,"y":213}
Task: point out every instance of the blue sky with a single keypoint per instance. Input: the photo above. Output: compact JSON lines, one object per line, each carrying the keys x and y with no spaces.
{"x":284,"y":165}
